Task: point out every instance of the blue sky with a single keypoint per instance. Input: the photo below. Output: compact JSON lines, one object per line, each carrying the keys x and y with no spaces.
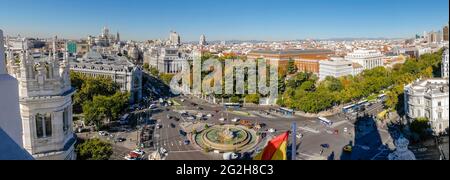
{"x":224,"y":19}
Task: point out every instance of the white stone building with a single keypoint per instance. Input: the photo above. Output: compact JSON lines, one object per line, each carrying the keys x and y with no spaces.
{"x":127,"y":75}
{"x":369,"y":59}
{"x":429,"y":99}
{"x":167,"y":59}
{"x":445,"y":66}
{"x":336,"y":67}
{"x":45,"y":97}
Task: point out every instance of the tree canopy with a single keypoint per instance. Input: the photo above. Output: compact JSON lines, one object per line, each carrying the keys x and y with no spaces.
{"x":94,"y":149}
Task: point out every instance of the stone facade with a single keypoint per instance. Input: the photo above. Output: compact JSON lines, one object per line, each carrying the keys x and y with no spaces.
{"x":45,"y":104}
{"x":119,"y":69}
{"x":429,"y":99}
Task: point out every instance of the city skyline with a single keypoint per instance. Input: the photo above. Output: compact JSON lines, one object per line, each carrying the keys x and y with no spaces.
{"x":271,"y":20}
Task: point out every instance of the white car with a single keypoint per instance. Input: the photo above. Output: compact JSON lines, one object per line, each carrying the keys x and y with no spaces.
{"x":200,"y":115}
{"x":190,"y":118}
{"x":345,"y":130}
{"x":272,"y":130}
{"x":209,"y":115}
{"x":299,"y":136}
{"x":222,"y":119}
{"x":103,"y":133}
{"x":138,"y":151}
{"x":235,"y":120}
{"x":182,"y":100}
{"x":163,"y":151}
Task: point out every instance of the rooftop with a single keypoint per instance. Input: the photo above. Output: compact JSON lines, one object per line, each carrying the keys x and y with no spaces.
{"x":9,"y":150}
{"x":294,"y":51}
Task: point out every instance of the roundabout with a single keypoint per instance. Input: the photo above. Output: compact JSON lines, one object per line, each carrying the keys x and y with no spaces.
{"x":227,"y":138}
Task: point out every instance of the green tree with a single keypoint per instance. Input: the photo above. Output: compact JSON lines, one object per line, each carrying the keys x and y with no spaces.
{"x":91,"y":87}
{"x":94,"y":149}
{"x":166,"y":78}
{"x":252,"y":98}
{"x":105,"y":107}
{"x":235,"y":99}
{"x":421,"y":126}
{"x":146,"y":66}
{"x":154,"y":71}
{"x":292,"y":68}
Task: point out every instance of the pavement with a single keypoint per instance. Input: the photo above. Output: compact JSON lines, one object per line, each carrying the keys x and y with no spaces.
{"x":369,"y":143}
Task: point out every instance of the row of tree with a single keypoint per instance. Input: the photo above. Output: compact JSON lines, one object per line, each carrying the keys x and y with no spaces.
{"x":98,"y":98}
{"x":304,"y":92}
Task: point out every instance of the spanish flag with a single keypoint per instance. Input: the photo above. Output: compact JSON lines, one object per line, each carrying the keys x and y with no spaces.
{"x":275,"y":149}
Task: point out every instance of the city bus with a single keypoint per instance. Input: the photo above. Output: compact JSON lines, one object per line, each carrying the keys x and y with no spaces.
{"x":348,"y":109}
{"x":382,"y":97}
{"x":232,"y":105}
{"x":325,"y":121}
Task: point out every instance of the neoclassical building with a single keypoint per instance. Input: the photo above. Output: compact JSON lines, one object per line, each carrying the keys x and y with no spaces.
{"x":369,"y":59}
{"x":127,"y":75}
{"x":45,"y":104}
{"x":429,"y":99}
{"x":167,"y":59}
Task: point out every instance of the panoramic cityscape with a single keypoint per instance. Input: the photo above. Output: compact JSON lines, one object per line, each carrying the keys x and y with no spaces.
{"x":224,"y":80}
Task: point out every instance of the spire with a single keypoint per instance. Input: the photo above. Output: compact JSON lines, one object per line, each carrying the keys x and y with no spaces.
{"x":54,"y":48}
{"x":2,"y":55}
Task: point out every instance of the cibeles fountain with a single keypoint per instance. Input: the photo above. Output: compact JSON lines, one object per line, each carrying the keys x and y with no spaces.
{"x":227,"y":138}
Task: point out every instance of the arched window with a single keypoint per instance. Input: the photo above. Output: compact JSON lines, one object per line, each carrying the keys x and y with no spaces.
{"x":43,"y":125}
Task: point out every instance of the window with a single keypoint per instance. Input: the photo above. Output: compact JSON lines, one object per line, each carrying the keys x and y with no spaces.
{"x":66,"y":120}
{"x":439,"y":103}
{"x":39,"y":126}
{"x":43,"y":125}
{"x":439,"y":115}
{"x":48,"y":125}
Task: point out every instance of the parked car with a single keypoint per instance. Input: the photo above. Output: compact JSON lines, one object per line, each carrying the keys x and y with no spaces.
{"x":222,"y":119}
{"x":120,"y":139}
{"x":272,"y":130}
{"x":235,"y":120}
{"x":187,"y":142}
{"x":103,"y":133}
{"x":172,"y":125}
{"x":182,"y":133}
{"x":326,"y":146}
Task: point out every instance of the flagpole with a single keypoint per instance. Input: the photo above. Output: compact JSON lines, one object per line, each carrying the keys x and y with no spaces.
{"x":294,"y":142}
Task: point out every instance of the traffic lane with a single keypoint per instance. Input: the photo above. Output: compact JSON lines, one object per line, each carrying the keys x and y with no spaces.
{"x":170,"y":137}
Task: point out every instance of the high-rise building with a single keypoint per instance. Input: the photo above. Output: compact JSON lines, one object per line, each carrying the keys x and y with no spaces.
{"x":445,"y":62}
{"x":174,"y":39}
{"x":203,"y":40}
{"x":118,"y":37}
{"x":445,"y":33}
{"x":45,"y":98}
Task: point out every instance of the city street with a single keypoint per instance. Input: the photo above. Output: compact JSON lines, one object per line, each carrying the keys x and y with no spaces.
{"x":314,"y":132}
